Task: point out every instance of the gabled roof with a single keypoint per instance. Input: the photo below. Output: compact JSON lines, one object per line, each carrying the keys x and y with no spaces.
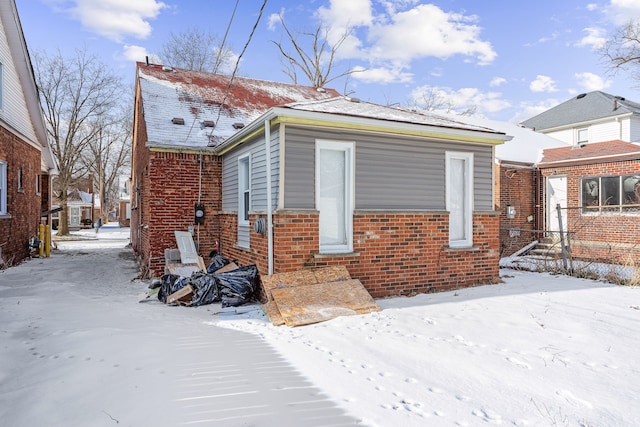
{"x":22,"y":62}
{"x":197,"y":97}
{"x":583,"y":108}
{"x":597,"y":152}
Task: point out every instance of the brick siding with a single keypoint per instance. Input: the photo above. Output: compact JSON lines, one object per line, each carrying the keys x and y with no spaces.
{"x":24,"y":206}
{"x":394,"y":253}
{"x":610,"y":236}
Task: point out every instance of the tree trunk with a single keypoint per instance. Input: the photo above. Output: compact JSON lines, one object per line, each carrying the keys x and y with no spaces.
{"x":63,"y":219}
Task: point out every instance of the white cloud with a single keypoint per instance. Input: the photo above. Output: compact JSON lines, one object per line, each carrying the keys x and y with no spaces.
{"x":274,"y":19}
{"x":591,"y":7}
{"x":382,"y":75}
{"x":400,"y":32}
{"x":427,"y":30}
{"x":620,"y":11}
{"x":134,"y":53}
{"x":528,"y":109}
{"x":591,"y":82}
{"x":116,"y":19}
{"x":461,"y":99}
{"x":595,"y":38}
{"x":497,"y":81}
{"x":543,"y":84}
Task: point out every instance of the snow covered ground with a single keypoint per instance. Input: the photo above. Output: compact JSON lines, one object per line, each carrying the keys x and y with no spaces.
{"x":535,"y":350}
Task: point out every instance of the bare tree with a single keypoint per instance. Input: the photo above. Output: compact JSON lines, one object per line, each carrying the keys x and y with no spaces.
{"x":433,"y":99}
{"x":108,"y":154}
{"x":196,"y":50}
{"x":622,"y":51}
{"x":316,"y":64}
{"x":75,"y":92}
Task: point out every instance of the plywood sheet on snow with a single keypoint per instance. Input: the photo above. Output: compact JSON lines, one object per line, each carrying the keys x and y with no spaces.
{"x":331,"y":274}
{"x":306,"y":304}
{"x":271,"y":310}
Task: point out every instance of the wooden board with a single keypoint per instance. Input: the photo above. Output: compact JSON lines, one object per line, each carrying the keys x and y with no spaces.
{"x":306,"y":304}
{"x":184,"y":270}
{"x":271,"y":310}
{"x":182,"y":296}
{"x":229,"y":267}
{"x":331,"y":274}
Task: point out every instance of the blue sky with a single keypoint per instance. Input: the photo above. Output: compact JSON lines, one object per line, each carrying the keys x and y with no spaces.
{"x":510,"y":59}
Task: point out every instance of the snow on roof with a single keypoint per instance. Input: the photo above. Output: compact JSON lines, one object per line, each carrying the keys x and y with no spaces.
{"x":600,"y":151}
{"x":346,"y":106}
{"x":526,"y":145}
{"x":197,"y":97}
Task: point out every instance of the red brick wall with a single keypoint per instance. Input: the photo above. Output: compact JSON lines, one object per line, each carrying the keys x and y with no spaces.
{"x":169,"y":196}
{"x":516,"y":187}
{"x":609,"y":236}
{"x":394,"y":253}
{"x":23,"y":206}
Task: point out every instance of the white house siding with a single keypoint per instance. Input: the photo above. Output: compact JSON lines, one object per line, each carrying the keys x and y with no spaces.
{"x":608,"y":131}
{"x":566,"y":135}
{"x":634,"y":129}
{"x":14,"y":108}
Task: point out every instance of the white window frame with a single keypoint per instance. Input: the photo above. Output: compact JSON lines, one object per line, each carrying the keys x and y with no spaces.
{"x":349,"y":148}
{"x":467,"y":241}
{"x":244,"y":188}
{"x":579,"y":132}
{"x":3,"y":188}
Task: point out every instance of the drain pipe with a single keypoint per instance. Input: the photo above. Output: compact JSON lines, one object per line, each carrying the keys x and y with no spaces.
{"x":267,"y":142}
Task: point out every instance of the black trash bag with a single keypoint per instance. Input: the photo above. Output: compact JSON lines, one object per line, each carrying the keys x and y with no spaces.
{"x":217,"y":262}
{"x":205,"y":289}
{"x":237,"y":286}
{"x":170,"y":284}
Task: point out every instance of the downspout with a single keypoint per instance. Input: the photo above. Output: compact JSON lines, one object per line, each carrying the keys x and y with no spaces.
{"x":267,"y":142}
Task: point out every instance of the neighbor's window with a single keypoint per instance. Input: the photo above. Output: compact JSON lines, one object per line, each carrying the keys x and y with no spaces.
{"x":611,"y":193}
{"x":582,"y":136}
{"x":38,"y":184}
{"x":3,"y":187}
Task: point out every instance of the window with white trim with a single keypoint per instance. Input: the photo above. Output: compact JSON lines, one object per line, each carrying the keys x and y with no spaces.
{"x":582,"y":136}
{"x":244,"y":189}
{"x":335,"y":166}
{"x":3,"y":188}
{"x":459,"y":198}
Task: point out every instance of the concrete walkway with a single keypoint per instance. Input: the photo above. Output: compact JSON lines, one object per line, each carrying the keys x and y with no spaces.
{"x":79,"y":349}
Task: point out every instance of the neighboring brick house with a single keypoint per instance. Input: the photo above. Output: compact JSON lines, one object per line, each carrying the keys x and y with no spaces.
{"x":600,"y":184}
{"x":593,"y":180}
{"x":26,"y":161}
{"x":403,"y":200}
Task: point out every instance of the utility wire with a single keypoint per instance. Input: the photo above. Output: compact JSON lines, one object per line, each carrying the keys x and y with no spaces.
{"x":235,"y":70}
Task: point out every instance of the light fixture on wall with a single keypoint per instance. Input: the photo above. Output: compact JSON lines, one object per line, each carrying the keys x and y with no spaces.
{"x":511,"y":212}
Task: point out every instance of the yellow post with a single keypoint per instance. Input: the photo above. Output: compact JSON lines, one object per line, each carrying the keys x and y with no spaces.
{"x":41,"y":238}
{"x":47,"y":240}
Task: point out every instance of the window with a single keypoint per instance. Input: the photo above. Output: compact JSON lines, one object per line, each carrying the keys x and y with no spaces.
{"x":38,"y":184}
{"x":582,"y":136}
{"x":3,"y":187}
{"x":459,"y":198}
{"x":334,"y":195}
{"x":610,"y":193}
{"x":244,"y":190}
{"x":20,"y":179}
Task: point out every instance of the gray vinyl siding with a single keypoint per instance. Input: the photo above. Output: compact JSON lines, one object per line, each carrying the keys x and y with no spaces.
{"x":258,"y":174}
{"x":391,"y":173}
